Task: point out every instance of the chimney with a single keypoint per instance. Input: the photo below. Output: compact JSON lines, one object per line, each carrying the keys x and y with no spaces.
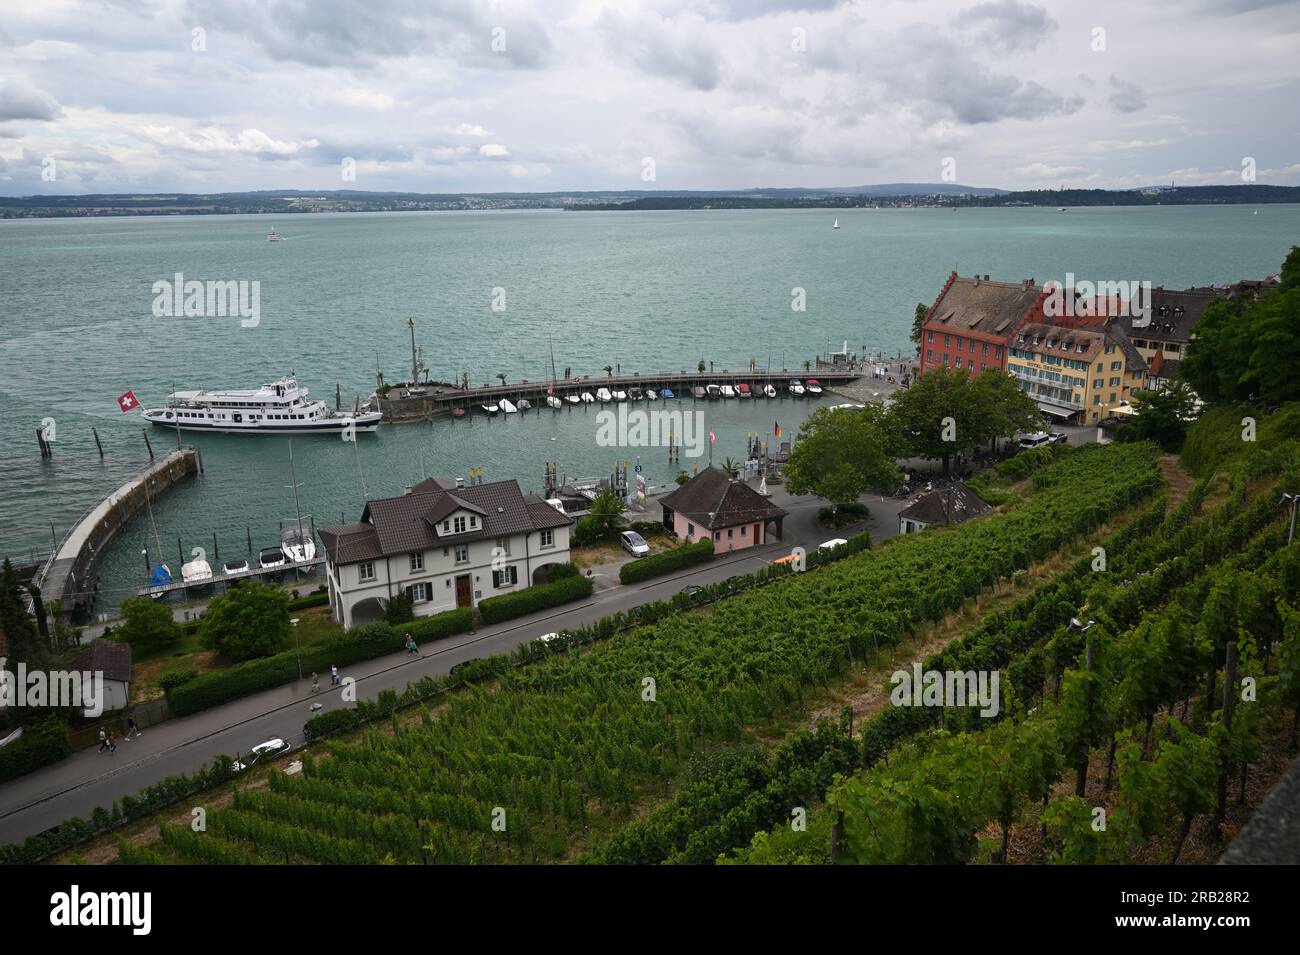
{"x":407,"y":490}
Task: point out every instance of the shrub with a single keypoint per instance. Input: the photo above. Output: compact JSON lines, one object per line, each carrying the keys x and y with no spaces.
{"x":174,"y":678}
{"x":530,"y":599}
{"x":667,"y":562}
{"x":249,"y":621}
{"x":399,"y":608}
{"x":41,"y":744}
{"x":147,"y":625}
{"x":585,"y":532}
{"x":335,"y":721}
{"x":320,"y":598}
{"x":849,"y":512}
{"x":560,"y":572}
{"x":352,"y":646}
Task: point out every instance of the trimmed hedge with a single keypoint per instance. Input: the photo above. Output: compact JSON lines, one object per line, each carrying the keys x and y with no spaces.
{"x":319,"y":599}
{"x":41,"y":744}
{"x":509,"y":606}
{"x":658,"y":564}
{"x":359,"y":643}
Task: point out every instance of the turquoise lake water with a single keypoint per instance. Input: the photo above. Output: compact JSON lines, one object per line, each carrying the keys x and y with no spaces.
{"x":645,"y":291}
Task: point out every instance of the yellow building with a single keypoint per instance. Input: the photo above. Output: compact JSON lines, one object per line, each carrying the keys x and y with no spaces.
{"x":1077,"y":371}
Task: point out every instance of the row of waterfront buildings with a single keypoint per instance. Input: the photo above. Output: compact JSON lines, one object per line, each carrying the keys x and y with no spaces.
{"x":1078,"y":366}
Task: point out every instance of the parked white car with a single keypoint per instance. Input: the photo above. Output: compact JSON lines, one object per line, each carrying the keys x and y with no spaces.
{"x":831,"y":544}
{"x":268,"y":750}
{"x":634,"y":543}
{"x":1035,"y":440}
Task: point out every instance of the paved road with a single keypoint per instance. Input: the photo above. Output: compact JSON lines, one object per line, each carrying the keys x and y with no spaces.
{"x":75,"y":786}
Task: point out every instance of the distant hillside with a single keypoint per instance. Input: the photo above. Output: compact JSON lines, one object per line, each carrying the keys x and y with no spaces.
{"x":896,"y":195}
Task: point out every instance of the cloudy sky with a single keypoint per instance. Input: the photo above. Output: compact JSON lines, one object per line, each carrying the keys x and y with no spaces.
{"x":512,"y":95}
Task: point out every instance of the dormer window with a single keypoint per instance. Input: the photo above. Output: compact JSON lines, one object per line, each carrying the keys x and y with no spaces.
{"x":459,"y":523}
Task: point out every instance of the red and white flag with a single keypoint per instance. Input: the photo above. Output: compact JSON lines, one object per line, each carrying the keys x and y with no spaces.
{"x":127,"y":402}
{"x":713,"y":438}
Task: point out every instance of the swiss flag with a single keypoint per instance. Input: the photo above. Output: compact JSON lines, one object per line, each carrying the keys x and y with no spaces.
{"x":127,"y":402}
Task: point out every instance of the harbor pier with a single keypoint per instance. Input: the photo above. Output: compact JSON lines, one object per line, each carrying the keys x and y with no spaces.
{"x":69,"y":574}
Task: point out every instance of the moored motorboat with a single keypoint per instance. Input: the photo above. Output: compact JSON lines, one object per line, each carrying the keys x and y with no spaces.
{"x":524,"y":404}
{"x":270,"y":558}
{"x":587,"y":398}
{"x":699,"y":392}
{"x":573,"y":399}
{"x":728,"y":391}
{"x":508,"y":406}
{"x":196,"y":573}
{"x":553,"y":401}
{"x":634,"y":393}
{"x":236,"y":566}
{"x":603,"y":395}
{"x":814,"y":386}
{"x":796,"y":387}
{"x":458,"y":412}
{"x":491,"y":407}
{"x":713,"y":391}
{"x":651,"y":394}
{"x":742,"y":391}
{"x":769,"y":390}
{"x":620,"y":395}
{"x":667,"y":393}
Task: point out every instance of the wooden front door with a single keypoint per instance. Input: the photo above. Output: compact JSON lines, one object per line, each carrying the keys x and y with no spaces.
{"x":462,"y":591}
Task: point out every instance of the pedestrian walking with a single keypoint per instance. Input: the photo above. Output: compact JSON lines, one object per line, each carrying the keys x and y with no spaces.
{"x":132,"y":728}
{"x":411,"y":648}
{"x":103,"y":740}
{"x":334,"y":675}
{"x":112,"y":744}
{"x":315,"y":682}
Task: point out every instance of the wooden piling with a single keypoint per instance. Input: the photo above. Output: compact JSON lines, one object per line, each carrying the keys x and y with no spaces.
{"x":146,"y":442}
{"x":95,"y":432}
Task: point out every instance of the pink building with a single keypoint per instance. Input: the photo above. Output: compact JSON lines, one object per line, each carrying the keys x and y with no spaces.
{"x":714,"y":505}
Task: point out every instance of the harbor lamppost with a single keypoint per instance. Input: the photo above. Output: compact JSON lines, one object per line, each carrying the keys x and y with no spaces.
{"x":296,"y":645}
{"x":1293,"y":500}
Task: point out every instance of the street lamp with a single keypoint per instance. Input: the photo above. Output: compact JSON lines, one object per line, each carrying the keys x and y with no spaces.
{"x":1078,"y":626}
{"x":296,"y":645}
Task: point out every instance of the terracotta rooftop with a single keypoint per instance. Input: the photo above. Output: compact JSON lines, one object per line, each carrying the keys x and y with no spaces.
{"x":976,"y":304}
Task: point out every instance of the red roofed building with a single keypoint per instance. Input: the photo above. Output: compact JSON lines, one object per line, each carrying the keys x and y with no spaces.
{"x":973,"y":319}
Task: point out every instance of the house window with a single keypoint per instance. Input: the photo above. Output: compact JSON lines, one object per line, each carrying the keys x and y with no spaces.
{"x":731,"y":532}
{"x":462,"y":553}
{"x":929,"y":336}
{"x":1096,"y":400}
{"x":744,"y":531}
{"x":717,"y":535}
{"x":417,"y":562}
{"x":1114,"y":382}
{"x":446,"y":527}
{"x":947,"y":340}
{"x":367,"y":570}
{"x":997,"y":352}
{"x":690,"y":530}
{"x":460,"y":525}
{"x":1116,"y":365}
{"x":929,"y":354}
{"x":505,"y":578}
{"x":1112,"y":397}
{"x":548,"y":538}
{"x":420,"y":593}
{"x":961,"y":344}
{"x":503,"y":545}
{"x":984,"y":349}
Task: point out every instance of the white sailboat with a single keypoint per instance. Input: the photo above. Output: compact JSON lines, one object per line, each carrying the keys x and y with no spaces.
{"x":273,"y":236}
{"x":836,"y":225}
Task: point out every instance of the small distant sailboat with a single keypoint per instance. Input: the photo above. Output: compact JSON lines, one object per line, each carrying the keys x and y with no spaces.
{"x":273,"y":235}
{"x":836,"y":225}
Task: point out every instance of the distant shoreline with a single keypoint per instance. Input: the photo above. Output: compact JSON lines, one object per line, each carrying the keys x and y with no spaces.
{"x":302,"y":203}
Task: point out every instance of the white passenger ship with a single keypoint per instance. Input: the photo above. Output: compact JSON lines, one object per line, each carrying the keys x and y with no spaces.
{"x":281,"y":407}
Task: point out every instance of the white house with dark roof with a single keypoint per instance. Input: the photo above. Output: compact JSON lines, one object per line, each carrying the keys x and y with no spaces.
{"x":447,"y":546}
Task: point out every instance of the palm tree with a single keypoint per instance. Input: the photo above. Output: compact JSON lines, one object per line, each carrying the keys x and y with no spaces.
{"x":502,"y":376}
{"x":731,"y":467}
{"x":807,"y":366}
{"x":608,"y":370}
{"x":700,"y":366}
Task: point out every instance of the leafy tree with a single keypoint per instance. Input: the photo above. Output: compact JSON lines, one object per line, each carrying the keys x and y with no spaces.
{"x":946,"y":412}
{"x":251,"y":620}
{"x":841,"y":454}
{"x":399,"y":608}
{"x":606,"y":512}
{"x":20,"y":629}
{"x":1162,"y":416}
{"x":1248,"y":349}
{"x":148,"y":625}
{"x":918,"y":319}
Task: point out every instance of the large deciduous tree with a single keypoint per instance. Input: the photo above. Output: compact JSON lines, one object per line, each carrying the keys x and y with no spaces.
{"x":251,"y":620}
{"x":840,"y":454}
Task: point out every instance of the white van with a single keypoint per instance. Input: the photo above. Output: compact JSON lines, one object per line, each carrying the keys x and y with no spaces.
{"x":1035,"y":440}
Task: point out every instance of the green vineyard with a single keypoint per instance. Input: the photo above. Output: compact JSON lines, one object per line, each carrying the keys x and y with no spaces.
{"x":558,"y":759}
